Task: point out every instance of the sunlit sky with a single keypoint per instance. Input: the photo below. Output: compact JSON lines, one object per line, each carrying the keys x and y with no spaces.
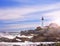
{"x":16,"y":15}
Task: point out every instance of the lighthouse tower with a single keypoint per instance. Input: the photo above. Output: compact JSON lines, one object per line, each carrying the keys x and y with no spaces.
{"x":42,"y":19}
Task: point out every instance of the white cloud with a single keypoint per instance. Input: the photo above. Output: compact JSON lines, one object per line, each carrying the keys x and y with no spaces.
{"x":23,"y":26}
{"x":18,"y":26}
{"x":55,"y":16}
{"x":15,"y":13}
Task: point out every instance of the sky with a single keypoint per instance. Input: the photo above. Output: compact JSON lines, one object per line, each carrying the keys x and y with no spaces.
{"x":17,"y":15}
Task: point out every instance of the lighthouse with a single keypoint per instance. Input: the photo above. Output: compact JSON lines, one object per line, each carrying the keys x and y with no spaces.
{"x":42,"y":19}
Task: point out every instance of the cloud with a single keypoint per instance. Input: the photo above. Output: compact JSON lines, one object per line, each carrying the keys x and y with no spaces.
{"x":55,"y":15}
{"x":18,"y":27}
{"x":15,"y":13}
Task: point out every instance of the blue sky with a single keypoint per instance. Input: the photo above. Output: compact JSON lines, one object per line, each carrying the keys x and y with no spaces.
{"x":16,"y":15}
